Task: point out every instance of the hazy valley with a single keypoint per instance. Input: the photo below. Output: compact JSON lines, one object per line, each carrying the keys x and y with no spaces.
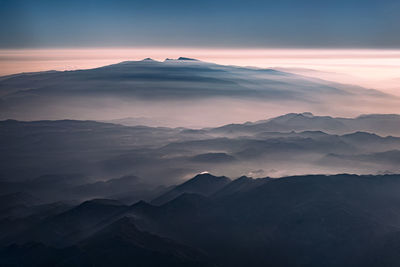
{"x":181,"y":92}
{"x":94,"y":170}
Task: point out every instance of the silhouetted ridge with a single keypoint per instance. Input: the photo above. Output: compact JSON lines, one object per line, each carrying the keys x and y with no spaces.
{"x":240,"y":185}
{"x":141,"y":206}
{"x":186,"y":202}
{"x":119,"y":244}
{"x":205,"y":181}
{"x":186,"y":58}
{"x":123,"y":244}
{"x":202,"y":184}
{"x":76,"y":223}
{"x":298,"y":122}
{"x":101,"y":202}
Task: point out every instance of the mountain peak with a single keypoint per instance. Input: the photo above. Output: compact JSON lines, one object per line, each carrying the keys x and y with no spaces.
{"x":206,"y":176}
{"x":187,"y":58}
{"x":204,"y":184}
{"x":181,"y":59}
{"x":307,"y":114}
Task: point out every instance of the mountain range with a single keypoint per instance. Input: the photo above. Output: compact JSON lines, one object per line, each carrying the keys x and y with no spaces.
{"x":345,"y":220}
{"x":184,"y":92}
{"x":132,"y":164}
{"x":82,"y":157}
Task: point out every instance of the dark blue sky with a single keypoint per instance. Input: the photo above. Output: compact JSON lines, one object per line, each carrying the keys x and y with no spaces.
{"x":205,"y":23}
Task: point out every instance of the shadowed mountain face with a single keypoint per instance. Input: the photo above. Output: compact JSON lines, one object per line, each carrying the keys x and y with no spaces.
{"x":183,"y":92}
{"x":339,"y":220}
{"x":75,"y":224}
{"x":202,"y":184}
{"x":118,"y":244}
{"x":132,"y":246}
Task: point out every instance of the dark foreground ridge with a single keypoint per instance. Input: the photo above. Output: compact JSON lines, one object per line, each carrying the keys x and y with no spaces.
{"x":312,"y":220}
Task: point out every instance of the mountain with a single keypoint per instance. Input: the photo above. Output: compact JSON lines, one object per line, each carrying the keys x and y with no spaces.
{"x":70,"y":192}
{"x":384,"y":124}
{"x":203,"y":184}
{"x":383,"y":160}
{"x":118,"y":244}
{"x":240,"y":185}
{"x":114,"y":187}
{"x":69,"y":152}
{"x":74,"y":224}
{"x":122,"y":244}
{"x":12,"y":200}
{"x":313,"y":220}
{"x":78,"y":160}
{"x":191,"y":88}
{"x":340,"y":220}
{"x":139,"y":121}
{"x":16,"y":220}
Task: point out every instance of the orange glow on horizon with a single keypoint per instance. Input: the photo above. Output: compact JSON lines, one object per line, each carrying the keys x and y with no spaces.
{"x":371,"y":68}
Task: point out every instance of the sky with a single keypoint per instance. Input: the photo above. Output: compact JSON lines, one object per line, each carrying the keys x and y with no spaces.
{"x":350,"y":41}
{"x":206,"y":23}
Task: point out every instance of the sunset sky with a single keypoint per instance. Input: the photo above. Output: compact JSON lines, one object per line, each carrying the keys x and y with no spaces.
{"x":349,"y":41}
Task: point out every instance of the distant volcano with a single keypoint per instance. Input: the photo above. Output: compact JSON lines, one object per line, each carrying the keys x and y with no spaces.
{"x":184,"y":89}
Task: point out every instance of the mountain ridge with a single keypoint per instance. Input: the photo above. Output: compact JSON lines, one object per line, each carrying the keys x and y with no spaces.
{"x":49,"y":95}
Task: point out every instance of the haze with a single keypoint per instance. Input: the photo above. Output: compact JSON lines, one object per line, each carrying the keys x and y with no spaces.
{"x":204,"y":133}
{"x":370,"y":68}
